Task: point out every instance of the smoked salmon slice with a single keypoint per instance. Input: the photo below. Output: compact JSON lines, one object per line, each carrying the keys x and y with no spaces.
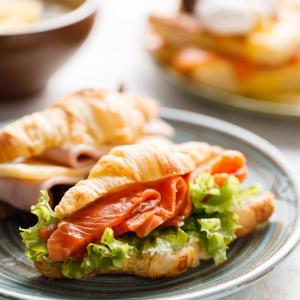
{"x":141,"y":210}
{"x":229,"y":163}
{"x":174,"y":203}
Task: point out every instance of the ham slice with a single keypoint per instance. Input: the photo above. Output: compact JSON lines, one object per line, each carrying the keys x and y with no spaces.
{"x":160,"y":128}
{"x":154,"y":140}
{"x":141,"y":209}
{"x":22,"y":194}
{"x":21,"y":183}
{"x":76,"y":157}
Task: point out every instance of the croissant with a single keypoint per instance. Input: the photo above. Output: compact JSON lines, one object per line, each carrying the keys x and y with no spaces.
{"x":147,"y":210}
{"x":130,"y":164}
{"x":89,"y":117}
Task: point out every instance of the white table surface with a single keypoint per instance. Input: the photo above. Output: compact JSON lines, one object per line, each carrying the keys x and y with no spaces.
{"x":114,"y":54}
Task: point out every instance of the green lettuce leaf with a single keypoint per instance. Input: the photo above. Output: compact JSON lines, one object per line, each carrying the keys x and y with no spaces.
{"x":108,"y":254}
{"x":74,"y":270}
{"x":161,"y":240}
{"x":168,"y":240}
{"x":207,"y":196}
{"x":213,"y":219}
{"x":36,"y":248}
{"x":203,"y":186}
{"x":216,"y":233}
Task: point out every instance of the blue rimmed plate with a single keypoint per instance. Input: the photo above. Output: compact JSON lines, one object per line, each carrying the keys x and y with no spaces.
{"x":249,"y":258}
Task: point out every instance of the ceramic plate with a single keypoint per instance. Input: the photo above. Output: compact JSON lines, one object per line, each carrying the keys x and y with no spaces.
{"x":249,"y":258}
{"x":286,"y":106}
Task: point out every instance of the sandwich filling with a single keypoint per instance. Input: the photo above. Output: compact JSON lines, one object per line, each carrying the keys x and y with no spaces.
{"x":154,"y":217}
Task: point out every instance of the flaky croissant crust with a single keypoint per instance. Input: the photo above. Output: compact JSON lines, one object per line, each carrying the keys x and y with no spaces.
{"x":90,"y":117}
{"x":126,"y":165}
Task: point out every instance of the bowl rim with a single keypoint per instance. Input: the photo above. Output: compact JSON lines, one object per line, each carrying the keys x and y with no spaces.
{"x":83,"y":11}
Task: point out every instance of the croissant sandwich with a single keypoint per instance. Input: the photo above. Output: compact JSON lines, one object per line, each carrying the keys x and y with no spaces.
{"x":244,"y":47}
{"x":151,"y":211}
{"x":55,"y":148}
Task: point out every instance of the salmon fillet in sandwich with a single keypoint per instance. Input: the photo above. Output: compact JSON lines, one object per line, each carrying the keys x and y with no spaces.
{"x":151,"y":211}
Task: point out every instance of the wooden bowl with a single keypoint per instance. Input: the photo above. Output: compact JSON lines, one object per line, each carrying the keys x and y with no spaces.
{"x":29,"y":57}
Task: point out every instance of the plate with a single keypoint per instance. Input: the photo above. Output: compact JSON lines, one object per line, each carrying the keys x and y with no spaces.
{"x":286,"y":106}
{"x":249,"y":258}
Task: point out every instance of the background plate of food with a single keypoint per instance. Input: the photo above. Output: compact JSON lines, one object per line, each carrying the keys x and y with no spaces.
{"x":248,"y":258}
{"x":235,"y":53}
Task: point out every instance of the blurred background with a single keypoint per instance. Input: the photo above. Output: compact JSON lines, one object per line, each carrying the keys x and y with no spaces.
{"x":115,"y":53}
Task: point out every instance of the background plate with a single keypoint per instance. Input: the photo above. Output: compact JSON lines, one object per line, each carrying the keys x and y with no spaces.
{"x":289,"y":109}
{"x":249,"y":258}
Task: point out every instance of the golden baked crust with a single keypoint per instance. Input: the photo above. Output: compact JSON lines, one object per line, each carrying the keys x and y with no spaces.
{"x":126,"y":165}
{"x":158,"y":265}
{"x":253,"y":214}
{"x":90,"y":117}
